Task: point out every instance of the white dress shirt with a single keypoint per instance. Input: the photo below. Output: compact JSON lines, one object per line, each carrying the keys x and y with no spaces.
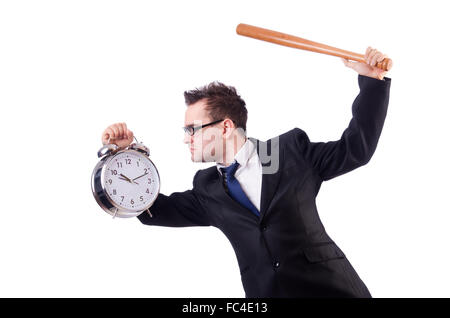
{"x":249,"y":172}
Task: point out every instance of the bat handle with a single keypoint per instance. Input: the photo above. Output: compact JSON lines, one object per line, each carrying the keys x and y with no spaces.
{"x":385,"y":64}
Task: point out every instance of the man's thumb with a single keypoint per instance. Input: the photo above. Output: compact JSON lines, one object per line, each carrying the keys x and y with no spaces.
{"x":347,"y":62}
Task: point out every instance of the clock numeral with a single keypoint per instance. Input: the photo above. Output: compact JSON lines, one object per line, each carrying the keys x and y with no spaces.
{"x":147,"y":191}
{"x":114,"y":172}
{"x":137,"y":162}
{"x":132,"y":202}
{"x":119,"y":165}
{"x":149,"y":180}
{"x":128,"y":161}
{"x":122,"y":198}
{"x":114,"y":192}
{"x":110,"y":181}
{"x":145,"y":170}
{"x":141,"y":198}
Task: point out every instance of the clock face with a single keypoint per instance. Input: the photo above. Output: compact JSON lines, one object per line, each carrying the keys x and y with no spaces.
{"x":131,"y":180}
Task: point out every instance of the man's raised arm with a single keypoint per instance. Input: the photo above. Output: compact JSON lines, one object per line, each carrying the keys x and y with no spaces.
{"x":359,"y":140}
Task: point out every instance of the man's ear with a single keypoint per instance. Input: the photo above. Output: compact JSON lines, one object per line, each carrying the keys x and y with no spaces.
{"x":228,"y":127}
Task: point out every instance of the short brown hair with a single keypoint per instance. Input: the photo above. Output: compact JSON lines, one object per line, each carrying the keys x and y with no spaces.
{"x":222,"y":102}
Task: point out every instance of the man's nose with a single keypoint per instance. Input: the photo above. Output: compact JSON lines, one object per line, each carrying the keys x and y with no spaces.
{"x":187,"y":138}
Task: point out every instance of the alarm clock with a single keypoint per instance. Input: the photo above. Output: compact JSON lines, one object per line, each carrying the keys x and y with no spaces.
{"x":125,"y":182}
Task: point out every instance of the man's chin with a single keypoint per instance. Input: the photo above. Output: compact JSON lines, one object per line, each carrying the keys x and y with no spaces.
{"x":201,"y":159}
{"x":195,"y":158}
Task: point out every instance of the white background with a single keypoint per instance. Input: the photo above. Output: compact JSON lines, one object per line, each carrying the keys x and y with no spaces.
{"x":68,"y":69}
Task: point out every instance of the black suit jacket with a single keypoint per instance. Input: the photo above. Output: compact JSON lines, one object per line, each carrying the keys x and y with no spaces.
{"x":286,"y":252}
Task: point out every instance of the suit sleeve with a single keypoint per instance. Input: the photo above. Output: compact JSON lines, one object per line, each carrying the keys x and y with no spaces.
{"x":180,"y":209}
{"x":359,"y":140}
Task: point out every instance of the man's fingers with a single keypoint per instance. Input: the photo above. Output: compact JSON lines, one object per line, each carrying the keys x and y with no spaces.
{"x":105,"y":138}
{"x":366,"y":56}
{"x":129,"y":134}
{"x":375,"y":58}
{"x":111,"y":132}
{"x":371,"y":55}
{"x":121,"y":132}
{"x":115,"y":131}
{"x":381,"y":57}
{"x":124,"y":130}
{"x":107,"y":135}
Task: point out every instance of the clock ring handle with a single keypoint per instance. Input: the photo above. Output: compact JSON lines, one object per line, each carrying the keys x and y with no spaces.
{"x":109,"y":139}
{"x":111,"y":148}
{"x":137,"y":142}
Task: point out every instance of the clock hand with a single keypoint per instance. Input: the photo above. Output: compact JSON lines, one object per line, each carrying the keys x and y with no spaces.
{"x":140,"y":176}
{"x":128,"y":179}
{"x":124,"y":179}
{"x":124,"y":176}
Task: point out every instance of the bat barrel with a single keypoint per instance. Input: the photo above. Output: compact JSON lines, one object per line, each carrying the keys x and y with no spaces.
{"x":303,"y":44}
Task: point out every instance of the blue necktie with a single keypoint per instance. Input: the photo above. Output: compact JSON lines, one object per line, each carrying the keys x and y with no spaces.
{"x":235,"y":189}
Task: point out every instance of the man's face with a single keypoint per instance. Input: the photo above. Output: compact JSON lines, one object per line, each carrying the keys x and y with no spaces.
{"x":206,"y":143}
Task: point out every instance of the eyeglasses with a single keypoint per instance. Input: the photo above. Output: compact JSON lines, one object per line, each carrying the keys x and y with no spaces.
{"x":191,"y":129}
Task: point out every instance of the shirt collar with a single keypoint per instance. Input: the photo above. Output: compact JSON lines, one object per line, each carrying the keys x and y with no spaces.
{"x":242,"y":156}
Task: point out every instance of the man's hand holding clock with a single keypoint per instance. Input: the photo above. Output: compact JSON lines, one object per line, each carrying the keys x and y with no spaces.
{"x":117,"y":134}
{"x":125,"y":182}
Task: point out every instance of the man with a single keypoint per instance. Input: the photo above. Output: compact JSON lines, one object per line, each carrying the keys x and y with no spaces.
{"x":261,"y":195}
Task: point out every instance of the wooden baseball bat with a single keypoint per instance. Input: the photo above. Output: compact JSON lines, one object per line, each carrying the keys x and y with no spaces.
{"x":300,"y":43}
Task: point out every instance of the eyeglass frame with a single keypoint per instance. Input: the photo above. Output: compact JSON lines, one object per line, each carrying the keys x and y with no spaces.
{"x":188,"y":129}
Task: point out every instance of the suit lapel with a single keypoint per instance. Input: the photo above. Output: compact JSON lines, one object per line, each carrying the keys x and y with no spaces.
{"x":270,"y":158}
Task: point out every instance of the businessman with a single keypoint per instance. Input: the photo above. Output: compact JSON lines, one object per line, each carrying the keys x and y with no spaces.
{"x":261,"y":194}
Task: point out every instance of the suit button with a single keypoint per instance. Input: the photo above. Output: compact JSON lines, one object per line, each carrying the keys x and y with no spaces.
{"x":276,"y":264}
{"x":264,"y":228}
